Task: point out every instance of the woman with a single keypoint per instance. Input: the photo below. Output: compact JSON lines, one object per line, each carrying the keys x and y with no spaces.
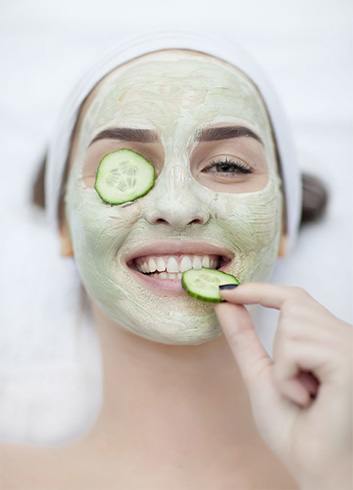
{"x":185,"y":406}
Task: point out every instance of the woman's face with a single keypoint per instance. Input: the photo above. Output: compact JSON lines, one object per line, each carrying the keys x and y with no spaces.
{"x":199,"y":208}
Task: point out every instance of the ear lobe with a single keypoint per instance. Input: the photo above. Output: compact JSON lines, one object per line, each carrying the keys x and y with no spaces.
{"x":282,"y":249}
{"x":66,"y":249}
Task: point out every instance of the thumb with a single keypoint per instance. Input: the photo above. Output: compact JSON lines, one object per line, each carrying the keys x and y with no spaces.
{"x":253,"y":361}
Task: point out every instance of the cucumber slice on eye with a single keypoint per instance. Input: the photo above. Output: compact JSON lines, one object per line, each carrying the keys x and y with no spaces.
{"x":203,"y":283}
{"x":124,"y":175}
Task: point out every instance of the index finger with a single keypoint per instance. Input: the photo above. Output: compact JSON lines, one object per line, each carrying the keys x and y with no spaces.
{"x":265,"y":294}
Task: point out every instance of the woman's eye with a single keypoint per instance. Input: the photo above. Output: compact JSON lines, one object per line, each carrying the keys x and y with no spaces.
{"x":226,"y":166}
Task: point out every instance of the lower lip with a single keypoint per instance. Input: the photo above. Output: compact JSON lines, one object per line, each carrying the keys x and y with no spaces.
{"x":169,"y":287}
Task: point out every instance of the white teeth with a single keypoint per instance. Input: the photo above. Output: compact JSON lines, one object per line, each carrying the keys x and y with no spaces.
{"x":185,"y":264}
{"x":197,"y":262}
{"x":213,"y":263}
{"x":163,"y":275}
{"x":205,"y":261}
{"x":179,"y":275}
{"x":172,"y":276}
{"x":161,"y":265}
{"x":152,"y":266}
{"x":172,"y":265}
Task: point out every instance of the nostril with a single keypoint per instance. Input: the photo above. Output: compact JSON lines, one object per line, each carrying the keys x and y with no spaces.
{"x":161,"y":220}
{"x":196,"y":221}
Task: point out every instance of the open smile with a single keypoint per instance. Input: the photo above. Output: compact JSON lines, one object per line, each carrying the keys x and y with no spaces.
{"x":163,"y":271}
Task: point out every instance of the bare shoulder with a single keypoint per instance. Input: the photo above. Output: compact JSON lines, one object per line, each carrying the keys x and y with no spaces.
{"x":27,"y":467}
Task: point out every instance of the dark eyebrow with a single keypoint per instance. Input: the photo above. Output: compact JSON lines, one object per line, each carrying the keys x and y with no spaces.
{"x":149,"y":136}
{"x":127,"y":134}
{"x":225,"y":132}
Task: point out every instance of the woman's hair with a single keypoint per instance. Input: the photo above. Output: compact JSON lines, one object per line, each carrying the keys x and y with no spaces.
{"x":314,"y":202}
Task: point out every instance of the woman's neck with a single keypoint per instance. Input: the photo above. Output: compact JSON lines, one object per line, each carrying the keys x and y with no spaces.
{"x":163,"y":396}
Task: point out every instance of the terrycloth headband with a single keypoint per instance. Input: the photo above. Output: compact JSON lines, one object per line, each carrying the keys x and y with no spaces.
{"x":217,"y":45}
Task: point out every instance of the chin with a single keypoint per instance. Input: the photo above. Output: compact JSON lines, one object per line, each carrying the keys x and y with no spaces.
{"x":185,"y":338}
{"x":181,"y":328}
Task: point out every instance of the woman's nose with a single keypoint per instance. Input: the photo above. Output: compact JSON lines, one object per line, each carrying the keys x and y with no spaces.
{"x":173,"y":203}
{"x":176,"y":214}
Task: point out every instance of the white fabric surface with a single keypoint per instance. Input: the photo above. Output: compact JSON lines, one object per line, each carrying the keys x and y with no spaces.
{"x":50,"y":374}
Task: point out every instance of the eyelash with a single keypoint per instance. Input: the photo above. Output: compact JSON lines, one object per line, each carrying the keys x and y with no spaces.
{"x":236,"y":165}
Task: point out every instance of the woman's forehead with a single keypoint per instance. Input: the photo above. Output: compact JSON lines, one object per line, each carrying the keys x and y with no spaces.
{"x":175,"y":63}
{"x":171,"y":84}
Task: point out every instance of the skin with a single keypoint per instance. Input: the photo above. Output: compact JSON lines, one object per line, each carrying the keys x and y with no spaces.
{"x":306,"y":387}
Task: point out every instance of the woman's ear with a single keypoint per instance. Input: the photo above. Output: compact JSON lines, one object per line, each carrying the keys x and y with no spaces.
{"x":66,"y":249}
{"x":282,"y":249}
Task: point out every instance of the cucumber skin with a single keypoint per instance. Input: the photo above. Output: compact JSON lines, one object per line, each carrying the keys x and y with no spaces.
{"x":203,"y":298}
{"x":134,"y":198}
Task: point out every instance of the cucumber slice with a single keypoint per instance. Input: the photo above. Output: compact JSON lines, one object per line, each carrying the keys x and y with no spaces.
{"x":203,"y":283}
{"x":124,"y":175}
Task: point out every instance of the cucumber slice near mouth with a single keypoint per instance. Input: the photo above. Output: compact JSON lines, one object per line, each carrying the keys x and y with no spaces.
{"x":203,"y":283}
{"x":124,"y":175}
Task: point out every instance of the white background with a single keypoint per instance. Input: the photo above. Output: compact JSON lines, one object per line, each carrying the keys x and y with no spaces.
{"x":48,"y":370}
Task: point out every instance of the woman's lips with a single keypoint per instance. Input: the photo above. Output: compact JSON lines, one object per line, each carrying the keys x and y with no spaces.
{"x":177,"y":247}
{"x":171,"y":286}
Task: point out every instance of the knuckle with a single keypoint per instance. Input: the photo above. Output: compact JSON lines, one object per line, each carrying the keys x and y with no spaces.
{"x":239,"y":339}
{"x":298,"y":292}
{"x":290,"y":307}
{"x":260,"y":364}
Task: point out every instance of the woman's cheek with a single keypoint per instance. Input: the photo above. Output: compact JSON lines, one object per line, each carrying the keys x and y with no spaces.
{"x":251,"y":222}
{"x":97,"y":231}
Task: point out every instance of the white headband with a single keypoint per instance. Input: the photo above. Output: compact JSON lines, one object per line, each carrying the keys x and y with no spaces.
{"x":133,"y":46}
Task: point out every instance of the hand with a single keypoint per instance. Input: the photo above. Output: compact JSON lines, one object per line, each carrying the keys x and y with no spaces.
{"x":302,"y":399}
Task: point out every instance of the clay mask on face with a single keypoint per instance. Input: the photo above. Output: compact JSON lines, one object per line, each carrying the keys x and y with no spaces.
{"x":174,"y":93}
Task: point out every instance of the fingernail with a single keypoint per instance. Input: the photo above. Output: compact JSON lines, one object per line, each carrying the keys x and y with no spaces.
{"x":228,"y":286}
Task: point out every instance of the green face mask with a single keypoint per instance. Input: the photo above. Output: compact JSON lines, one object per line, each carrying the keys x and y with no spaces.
{"x":175,"y":94}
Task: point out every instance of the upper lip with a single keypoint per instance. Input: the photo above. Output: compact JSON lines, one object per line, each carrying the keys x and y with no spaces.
{"x":171,"y":247}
